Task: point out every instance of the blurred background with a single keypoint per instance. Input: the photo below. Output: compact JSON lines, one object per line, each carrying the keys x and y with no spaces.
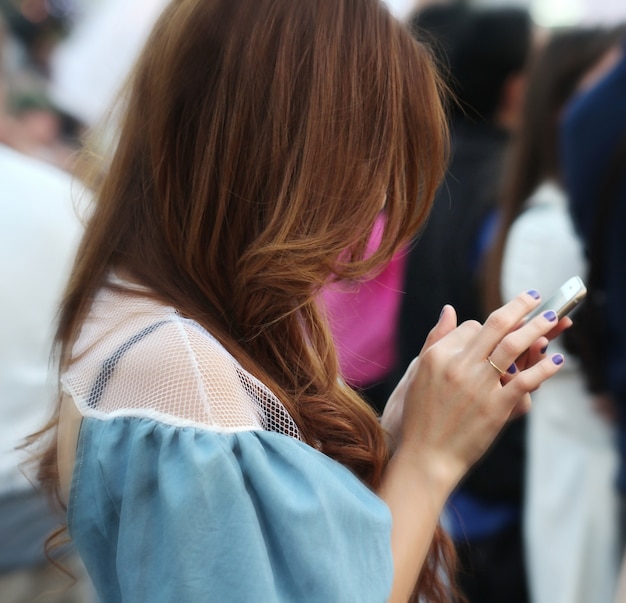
{"x":545,"y":12}
{"x":64,"y":60}
{"x":62,"y":63}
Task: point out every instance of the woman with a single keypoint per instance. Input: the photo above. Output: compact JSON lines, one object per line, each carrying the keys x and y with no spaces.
{"x":570,"y":506}
{"x":220,"y":455}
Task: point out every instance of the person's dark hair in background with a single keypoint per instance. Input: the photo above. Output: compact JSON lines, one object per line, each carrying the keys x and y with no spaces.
{"x":483,"y":54}
{"x":469,"y":43}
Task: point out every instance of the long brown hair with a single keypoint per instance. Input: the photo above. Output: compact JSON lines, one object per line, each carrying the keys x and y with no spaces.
{"x":258,"y":142}
{"x":534,"y":156}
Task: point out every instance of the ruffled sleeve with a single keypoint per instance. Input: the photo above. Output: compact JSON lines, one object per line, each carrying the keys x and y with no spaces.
{"x":179,"y":514}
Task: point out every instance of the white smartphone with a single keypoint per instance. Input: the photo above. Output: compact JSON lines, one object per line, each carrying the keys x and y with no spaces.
{"x":571,"y":293}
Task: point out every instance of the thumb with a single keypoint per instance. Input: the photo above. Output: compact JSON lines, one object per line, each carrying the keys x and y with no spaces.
{"x":445,"y":324}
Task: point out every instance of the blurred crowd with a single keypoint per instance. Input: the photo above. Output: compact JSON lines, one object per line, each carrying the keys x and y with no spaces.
{"x":535,"y":193}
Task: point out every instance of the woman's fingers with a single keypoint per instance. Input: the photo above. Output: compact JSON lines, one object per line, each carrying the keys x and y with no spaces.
{"x":530,"y":379}
{"x":533,"y":354}
{"x":392,"y":415}
{"x":505,"y":320}
{"x":447,"y":322}
{"x":513,"y":345}
{"x":563,"y":324}
{"x":454,"y":400}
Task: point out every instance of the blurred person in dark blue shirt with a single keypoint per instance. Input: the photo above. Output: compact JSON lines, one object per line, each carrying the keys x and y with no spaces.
{"x":594,"y":154}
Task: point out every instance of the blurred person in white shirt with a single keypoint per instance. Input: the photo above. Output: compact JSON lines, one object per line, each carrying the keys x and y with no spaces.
{"x":39,"y":232}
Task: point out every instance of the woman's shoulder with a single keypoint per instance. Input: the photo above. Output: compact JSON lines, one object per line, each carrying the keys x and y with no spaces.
{"x":136,"y":356}
{"x":284,"y":510}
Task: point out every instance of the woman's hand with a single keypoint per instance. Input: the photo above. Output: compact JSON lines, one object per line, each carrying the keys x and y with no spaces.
{"x":448,"y":408}
{"x":391,"y":419}
{"x":456,"y":401}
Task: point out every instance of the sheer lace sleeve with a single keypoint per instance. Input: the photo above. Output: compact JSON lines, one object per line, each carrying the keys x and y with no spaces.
{"x":137,"y":357}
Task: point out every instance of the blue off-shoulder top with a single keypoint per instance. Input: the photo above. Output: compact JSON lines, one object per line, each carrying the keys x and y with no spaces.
{"x":184,"y":491}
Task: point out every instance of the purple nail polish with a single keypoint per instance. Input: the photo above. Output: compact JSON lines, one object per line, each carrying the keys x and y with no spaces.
{"x":543,"y":350}
{"x":550,"y":315}
{"x":557,"y":359}
{"x":511,"y":370}
{"x":533,"y":293}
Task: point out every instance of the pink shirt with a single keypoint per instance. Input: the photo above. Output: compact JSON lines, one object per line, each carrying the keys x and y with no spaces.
{"x":363,"y":318}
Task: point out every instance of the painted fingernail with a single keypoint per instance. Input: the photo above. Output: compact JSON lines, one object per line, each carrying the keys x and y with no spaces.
{"x":543,"y":350}
{"x":533,"y":293}
{"x":511,"y":370}
{"x":557,"y":359}
{"x":550,"y":315}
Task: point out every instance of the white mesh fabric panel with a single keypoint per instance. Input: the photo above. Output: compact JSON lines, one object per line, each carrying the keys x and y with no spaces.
{"x":137,"y":357}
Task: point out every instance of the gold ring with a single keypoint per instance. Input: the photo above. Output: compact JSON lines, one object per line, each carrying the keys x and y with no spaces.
{"x":495,"y":366}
